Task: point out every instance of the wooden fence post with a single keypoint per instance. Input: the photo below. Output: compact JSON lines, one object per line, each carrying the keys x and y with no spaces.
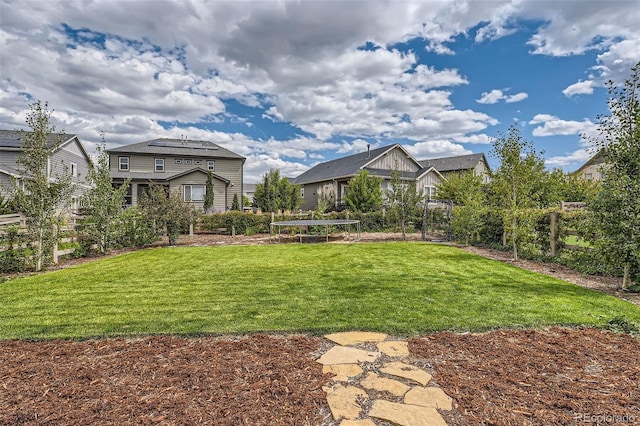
{"x":55,"y":245}
{"x":554,"y":233}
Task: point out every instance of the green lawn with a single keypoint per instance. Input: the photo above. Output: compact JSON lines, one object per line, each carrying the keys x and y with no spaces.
{"x":400,"y":288}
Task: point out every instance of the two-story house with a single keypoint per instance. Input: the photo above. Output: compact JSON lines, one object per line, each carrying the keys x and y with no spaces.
{"x":592,"y":169}
{"x":330,"y":180}
{"x":181,"y":166}
{"x":69,"y":157}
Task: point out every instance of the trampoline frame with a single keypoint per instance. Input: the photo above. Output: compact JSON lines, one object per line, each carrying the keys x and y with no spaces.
{"x":316,"y":222}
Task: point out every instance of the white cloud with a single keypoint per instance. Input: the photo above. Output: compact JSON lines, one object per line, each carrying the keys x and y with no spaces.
{"x":552,"y":125}
{"x":435,"y":149}
{"x":497,"y":95}
{"x":576,"y":158}
{"x":580,"y":88}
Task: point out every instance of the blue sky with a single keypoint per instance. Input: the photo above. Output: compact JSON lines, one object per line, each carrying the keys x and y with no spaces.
{"x":291,"y":84}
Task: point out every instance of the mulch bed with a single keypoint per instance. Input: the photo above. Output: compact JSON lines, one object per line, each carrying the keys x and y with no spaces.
{"x":256,"y":380}
{"x":558,"y":376}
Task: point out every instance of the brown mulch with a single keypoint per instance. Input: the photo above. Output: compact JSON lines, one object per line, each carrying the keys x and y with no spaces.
{"x":506,"y":377}
{"x":537,"y":377}
{"x":164,"y":380}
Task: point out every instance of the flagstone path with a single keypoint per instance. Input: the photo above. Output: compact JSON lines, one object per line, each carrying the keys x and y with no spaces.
{"x":379,"y":384}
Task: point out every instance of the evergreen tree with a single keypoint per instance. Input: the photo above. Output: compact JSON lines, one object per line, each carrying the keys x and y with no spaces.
{"x":208,"y":195}
{"x":364,"y":193}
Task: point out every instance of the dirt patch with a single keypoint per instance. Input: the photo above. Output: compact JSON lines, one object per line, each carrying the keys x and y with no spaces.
{"x":525,"y":377}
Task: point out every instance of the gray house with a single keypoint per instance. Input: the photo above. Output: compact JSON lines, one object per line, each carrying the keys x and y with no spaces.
{"x":329,"y":181}
{"x":70,"y":157}
{"x":476,"y":163}
{"x":181,"y":166}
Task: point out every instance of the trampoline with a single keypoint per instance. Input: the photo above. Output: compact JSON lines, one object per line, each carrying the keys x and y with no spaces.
{"x":310,"y":222}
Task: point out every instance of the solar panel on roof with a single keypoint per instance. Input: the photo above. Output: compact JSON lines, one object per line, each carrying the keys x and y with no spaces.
{"x":10,"y":143}
{"x":180,"y":145}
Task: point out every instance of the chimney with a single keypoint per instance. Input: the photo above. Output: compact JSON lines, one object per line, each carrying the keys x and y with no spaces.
{"x":368,"y":150}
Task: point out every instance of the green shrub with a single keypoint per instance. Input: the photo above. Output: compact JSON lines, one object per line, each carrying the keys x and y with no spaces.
{"x":13,"y":258}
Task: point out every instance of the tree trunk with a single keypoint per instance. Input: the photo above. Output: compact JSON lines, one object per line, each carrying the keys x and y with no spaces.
{"x":513,"y":238}
{"x":625,"y":278}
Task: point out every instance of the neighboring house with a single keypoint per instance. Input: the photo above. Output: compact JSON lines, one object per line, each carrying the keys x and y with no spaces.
{"x":592,"y":169}
{"x":330,"y":180}
{"x":476,"y":163}
{"x":248,"y":189}
{"x":179,"y":165}
{"x":69,"y":157}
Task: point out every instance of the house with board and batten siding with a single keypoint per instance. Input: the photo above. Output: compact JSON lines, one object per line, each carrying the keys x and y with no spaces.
{"x":330,"y":180}
{"x":181,"y":166}
{"x":69,"y":157}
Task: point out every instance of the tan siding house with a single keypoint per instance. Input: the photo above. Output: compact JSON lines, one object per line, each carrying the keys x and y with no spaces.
{"x":70,"y":157}
{"x":592,"y":169}
{"x":182,"y":166}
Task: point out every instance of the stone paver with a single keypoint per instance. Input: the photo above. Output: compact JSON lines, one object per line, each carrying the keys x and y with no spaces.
{"x":407,"y":371}
{"x":343,"y":401}
{"x":420,"y":403}
{"x":406,"y":415}
{"x":394,"y":348}
{"x":342,"y":371}
{"x":355,"y":337}
{"x":382,"y":384}
{"x":345,"y":355}
{"x":429,"y":397}
{"x":365,"y":422}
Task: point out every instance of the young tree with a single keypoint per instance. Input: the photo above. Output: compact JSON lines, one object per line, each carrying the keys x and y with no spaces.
{"x":616,"y":209}
{"x":42,"y":202}
{"x":276,"y":193}
{"x":364,"y":193}
{"x":470,"y":204}
{"x":168,"y":210}
{"x":102,"y":203}
{"x":516,"y":185}
{"x":208,"y":195}
{"x":404,"y":200}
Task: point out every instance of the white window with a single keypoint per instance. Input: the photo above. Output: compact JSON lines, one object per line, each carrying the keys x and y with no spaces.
{"x":74,"y":170}
{"x":193,"y":193}
{"x":302,"y":191}
{"x":588,"y":176}
{"x":123,"y":164}
{"x":197,"y":162}
{"x":178,"y":161}
{"x":159,"y":165}
{"x":187,"y":161}
{"x":430,"y":192}
{"x":211,"y":165}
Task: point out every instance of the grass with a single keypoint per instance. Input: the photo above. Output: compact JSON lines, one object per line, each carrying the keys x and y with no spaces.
{"x":576,"y":241}
{"x":400,"y":288}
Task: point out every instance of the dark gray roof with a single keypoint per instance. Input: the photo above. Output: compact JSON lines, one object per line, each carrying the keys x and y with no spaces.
{"x":165,"y":146}
{"x":450,"y":164}
{"x":340,"y":167}
{"x":11,"y":138}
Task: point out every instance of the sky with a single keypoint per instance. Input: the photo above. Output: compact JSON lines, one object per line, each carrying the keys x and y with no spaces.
{"x":289,"y":84}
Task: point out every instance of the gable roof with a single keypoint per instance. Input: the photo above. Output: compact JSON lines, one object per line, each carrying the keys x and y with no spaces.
{"x":345,"y":166}
{"x":10,"y":139}
{"x":459,"y":162}
{"x":167,"y":146}
{"x":598,"y":158}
